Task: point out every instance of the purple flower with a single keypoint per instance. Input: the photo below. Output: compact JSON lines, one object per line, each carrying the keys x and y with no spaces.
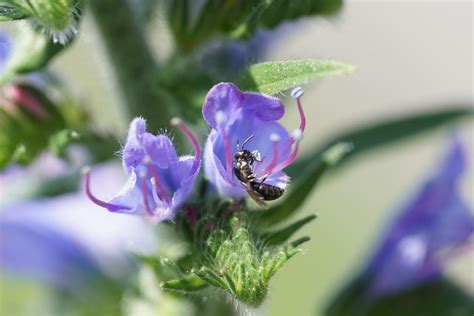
{"x":34,"y":251}
{"x":159,"y":181}
{"x":434,"y":225}
{"x":5,"y":49}
{"x":249,"y":119}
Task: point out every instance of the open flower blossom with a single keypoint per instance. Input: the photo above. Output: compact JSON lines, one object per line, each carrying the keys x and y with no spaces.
{"x":435,"y":225}
{"x":248,"y":119}
{"x":159,"y":181}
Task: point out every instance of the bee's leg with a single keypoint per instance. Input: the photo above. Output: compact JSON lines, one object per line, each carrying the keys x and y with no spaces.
{"x":263,"y":180}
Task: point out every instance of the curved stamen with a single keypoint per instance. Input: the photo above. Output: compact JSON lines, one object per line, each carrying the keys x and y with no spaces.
{"x":145,"y":193}
{"x":197,"y":148}
{"x":220,"y":117}
{"x":86,"y":171}
{"x":154,"y":192}
{"x":275,"y":138}
{"x":296,"y":94}
{"x":297,"y":135}
{"x":164,"y":194}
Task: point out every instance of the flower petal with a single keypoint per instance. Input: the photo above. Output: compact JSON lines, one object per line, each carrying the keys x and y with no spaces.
{"x":227,"y":98}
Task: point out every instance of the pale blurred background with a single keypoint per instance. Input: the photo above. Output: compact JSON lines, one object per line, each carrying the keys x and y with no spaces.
{"x":410,"y":56}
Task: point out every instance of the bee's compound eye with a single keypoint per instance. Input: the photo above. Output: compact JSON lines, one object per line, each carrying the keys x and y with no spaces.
{"x":237,"y":155}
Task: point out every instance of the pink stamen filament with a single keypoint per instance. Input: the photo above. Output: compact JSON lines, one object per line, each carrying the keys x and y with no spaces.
{"x":164,"y":194}
{"x":228,"y":154}
{"x":282,"y":165}
{"x":145,"y":195}
{"x":154,"y":193}
{"x":302,"y":115}
{"x":273,"y":163}
{"x":197,"y":148}
{"x":110,"y":206}
{"x":289,"y":143}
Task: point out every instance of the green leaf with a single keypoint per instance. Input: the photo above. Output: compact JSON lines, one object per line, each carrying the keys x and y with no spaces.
{"x":282,"y":235}
{"x":302,"y":186}
{"x":275,"y":76}
{"x":381,"y":133}
{"x":11,"y":13}
{"x":440,"y":297}
{"x":241,"y":19}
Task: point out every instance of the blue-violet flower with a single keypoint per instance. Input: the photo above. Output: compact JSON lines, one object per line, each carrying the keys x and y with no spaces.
{"x":434,"y":225}
{"x":159,"y":181}
{"x":237,"y":117}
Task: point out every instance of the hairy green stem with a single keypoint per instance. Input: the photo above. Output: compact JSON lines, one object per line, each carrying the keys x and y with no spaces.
{"x":132,"y":61}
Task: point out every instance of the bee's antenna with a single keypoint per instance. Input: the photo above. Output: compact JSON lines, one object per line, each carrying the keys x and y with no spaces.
{"x":247,"y":140}
{"x":238,"y":145}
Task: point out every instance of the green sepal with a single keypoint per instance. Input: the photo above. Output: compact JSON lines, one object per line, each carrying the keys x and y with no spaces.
{"x":186,"y":284}
{"x":9,"y":12}
{"x":237,"y":260}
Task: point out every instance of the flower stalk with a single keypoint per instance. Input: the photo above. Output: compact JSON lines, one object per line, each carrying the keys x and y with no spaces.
{"x":132,"y":61}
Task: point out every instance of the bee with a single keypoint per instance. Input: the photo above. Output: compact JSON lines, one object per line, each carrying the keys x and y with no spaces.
{"x":243,"y":170}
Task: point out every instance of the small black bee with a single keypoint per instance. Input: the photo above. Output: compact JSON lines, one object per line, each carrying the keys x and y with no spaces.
{"x":243,"y":170}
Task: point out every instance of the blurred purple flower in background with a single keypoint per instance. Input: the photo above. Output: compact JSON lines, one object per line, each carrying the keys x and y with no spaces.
{"x":249,"y":119}
{"x":159,"y":180}
{"x":68,"y":243}
{"x":432,"y":226}
{"x":5,"y":50}
{"x":29,"y":250}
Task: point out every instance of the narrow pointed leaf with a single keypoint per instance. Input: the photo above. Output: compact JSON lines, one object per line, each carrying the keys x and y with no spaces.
{"x":282,"y":235}
{"x":276,"y":76}
{"x":381,"y":133}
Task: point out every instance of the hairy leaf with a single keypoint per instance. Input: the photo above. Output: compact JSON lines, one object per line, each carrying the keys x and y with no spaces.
{"x":275,"y":76}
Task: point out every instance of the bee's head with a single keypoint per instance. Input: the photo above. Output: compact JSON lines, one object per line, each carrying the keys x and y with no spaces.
{"x":238,"y":155}
{"x":243,"y":155}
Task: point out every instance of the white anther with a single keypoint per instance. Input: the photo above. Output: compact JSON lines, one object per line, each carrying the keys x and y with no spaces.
{"x":297,"y":134}
{"x":297,"y":92}
{"x":146,"y":160}
{"x":220,"y":117}
{"x":86,"y":170}
{"x":175,"y":121}
{"x":275,"y":137}
{"x":153,"y":181}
